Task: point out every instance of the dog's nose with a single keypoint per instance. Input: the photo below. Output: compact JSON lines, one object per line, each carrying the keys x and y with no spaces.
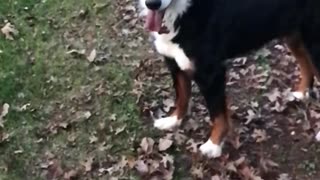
{"x":153,"y":4}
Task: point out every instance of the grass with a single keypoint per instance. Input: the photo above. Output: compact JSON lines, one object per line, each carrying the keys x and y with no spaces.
{"x":56,"y":88}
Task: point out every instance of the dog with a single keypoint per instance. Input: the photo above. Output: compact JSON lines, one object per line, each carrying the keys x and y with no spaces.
{"x":196,"y":37}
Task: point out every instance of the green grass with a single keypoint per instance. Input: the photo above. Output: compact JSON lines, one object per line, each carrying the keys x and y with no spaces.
{"x":36,"y":70}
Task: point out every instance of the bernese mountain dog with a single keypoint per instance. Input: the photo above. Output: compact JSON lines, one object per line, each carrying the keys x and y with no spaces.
{"x":196,"y":37}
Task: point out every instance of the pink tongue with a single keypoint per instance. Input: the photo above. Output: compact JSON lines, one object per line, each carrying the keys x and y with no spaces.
{"x":153,"y":21}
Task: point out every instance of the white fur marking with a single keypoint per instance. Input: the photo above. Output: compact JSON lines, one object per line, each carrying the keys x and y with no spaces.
{"x":169,"y":49}
{"x":211,"y":150}
{"x":163,"y":43}
{"x":318,"y":136}
{"x":300,"y":95}
{"x":167,"y":123}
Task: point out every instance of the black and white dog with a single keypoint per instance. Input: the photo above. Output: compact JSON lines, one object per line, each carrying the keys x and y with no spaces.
{"x":196,"y":37}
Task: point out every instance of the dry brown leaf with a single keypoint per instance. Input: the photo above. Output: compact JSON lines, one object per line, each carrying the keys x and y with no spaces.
{"x":19,"y":151}
{"x":9,"y":30}
{"x":249,"y":174}
{"x":75,"y":52}
{"x":284,"y":176}
{"x":168,"y":104}
{"x":274,"y":95}
{"x":236,"y":141}
{"x":167,"y":159}
{"x":240,"y":161}
{"x":216,"y":177}
{"x":314,"y":114}
{"x":259,"y":135}
{"x":92,"y":56}
{"x":251,"y":115}
{"x":141,"y":167}
{"x":4,"y":137}
{"x":87,"y":164}
{"x":4,"y":111}
{"x":267,"y":163}
{"x":147,"y":145}
{"x":70,"y":174}
{"x":192,"y":145}
{"x":93,"y":139}
{"x":179,"y":137}
{"x":55,"y":170}
{"x":278,"y":107}
{"x":164,"y":144}
{"x":197,"y":172}
{"x":120,"y":129}
{"x":230,"y":166}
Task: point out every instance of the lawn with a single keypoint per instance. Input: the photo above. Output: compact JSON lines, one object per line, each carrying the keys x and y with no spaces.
{"x":65,"y":105}
{"x":83,"y":87}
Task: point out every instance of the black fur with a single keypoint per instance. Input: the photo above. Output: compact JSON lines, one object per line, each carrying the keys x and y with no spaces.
{"x":212,"y":31}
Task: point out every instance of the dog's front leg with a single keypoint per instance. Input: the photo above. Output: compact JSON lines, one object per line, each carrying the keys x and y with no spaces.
{"x":182,"y":86}
{"x":212,"y":86}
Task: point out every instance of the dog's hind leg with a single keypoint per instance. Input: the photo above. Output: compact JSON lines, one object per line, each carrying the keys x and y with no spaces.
{"x":182,"y":85}
{"x":212,"y":86}
{"x":307,"y":70}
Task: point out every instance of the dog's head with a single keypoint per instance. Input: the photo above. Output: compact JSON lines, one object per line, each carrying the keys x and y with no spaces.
{"x":154,"y":13}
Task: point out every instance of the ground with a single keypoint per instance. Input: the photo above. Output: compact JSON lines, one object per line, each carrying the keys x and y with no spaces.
{"x":80,"y":87}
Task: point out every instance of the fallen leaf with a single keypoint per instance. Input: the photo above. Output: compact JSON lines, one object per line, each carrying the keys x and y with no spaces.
{"x":216,"y":177}
{"x":70,"y":174}
{"x":9,"y":30}
{"x":141,"y":167}
{"x":314,"y":114}
{"x":251,"y":115}
{"x":147,"y":145}
{"x":240,"y":161}
{"x":167,"y":159}
{"x":93,"y":139}
{"x":274,"y":95}
{"x":88,"y":164}
{"x":267,"y":163}
{"x":164,"y":144}
{"x":249,"y":174}
{"x":4,"y":111}
{"x":179,"y":137}
{"x":259,"y":135}
{"x":54,"y":170}
{"x":19,"y":151}
{"x":120,"y":129}
{"x":192,"y":145}
{"x":168,"y":104}
{"x":92,"y":56}
{"x":284,"y":176}
{"x":4,"y":137}
{"x":197,"y":172}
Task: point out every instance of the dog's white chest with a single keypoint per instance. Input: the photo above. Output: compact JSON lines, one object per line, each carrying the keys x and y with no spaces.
{"x":166,"y":47}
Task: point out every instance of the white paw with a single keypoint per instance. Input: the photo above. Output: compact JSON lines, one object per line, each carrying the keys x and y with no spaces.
{"x":167,"y":123}
{"x":211,"y":150}
{"x":300,"y":95}
{"x":318,"y":136}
